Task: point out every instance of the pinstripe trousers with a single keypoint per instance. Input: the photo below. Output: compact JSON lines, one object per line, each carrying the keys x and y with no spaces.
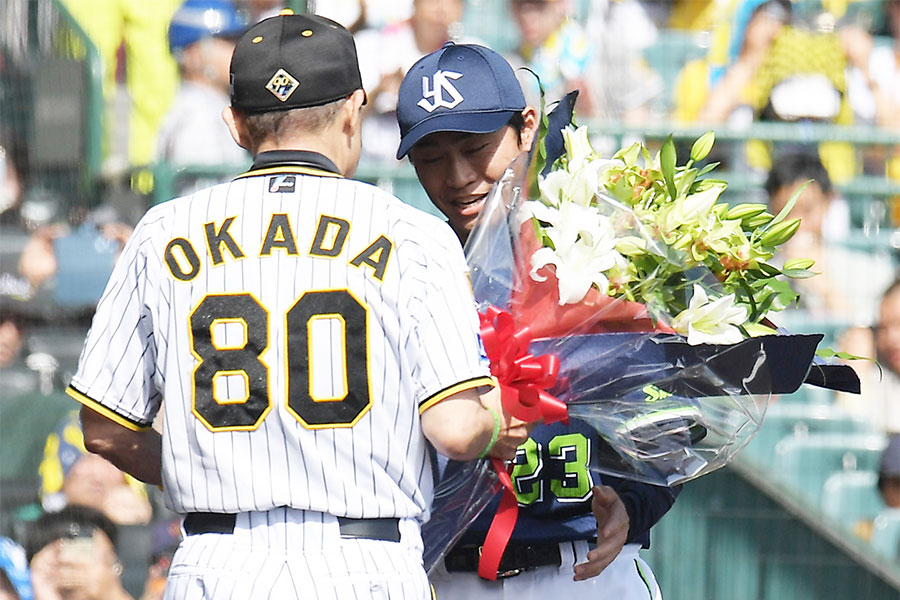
{"x":627,"y":577}
{"x":287,"y":553}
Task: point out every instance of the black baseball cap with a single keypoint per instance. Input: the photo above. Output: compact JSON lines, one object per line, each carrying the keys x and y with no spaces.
{"x":293,"y":61}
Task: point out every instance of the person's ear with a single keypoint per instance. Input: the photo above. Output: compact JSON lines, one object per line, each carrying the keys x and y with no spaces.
{"x":237,"y":127}
{"x":530,"y":128}
{"x":352,"y":112}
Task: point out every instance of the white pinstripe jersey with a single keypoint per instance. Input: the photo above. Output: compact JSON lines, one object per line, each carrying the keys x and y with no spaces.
{"x":296,"y":324}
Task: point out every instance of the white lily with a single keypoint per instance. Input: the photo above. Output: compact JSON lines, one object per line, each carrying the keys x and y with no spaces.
{"x":555,"y":187}
{"x":577,"y":184}
{"x":578,"y":146}
{"x":583,"y":250}
{"x":707,"y":321}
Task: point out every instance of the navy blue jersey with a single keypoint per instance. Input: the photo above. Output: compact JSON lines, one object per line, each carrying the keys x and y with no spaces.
{"x":553,"y":475}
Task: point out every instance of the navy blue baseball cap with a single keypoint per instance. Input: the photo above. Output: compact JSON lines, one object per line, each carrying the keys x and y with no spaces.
{"x":461,"y":87}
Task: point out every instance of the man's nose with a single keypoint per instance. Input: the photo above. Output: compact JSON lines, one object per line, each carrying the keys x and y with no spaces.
{"x":459,"y":172}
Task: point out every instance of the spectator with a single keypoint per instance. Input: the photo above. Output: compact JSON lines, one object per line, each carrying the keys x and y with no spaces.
{"x":72,"y":554}
{"x":193,"y":132}
{"x":824,"y":223}
{"x":12,"y":339}
{"x":695,"y":15}
{"x":556,"y":48}
{"x":889,"y":473}
{"x":14,"y":223}
{"x":151,"y":76}
{"x":15,"y":578}
{"x":73,"y":262}
{"x":622,"y":84}
{"x":263,"y":9}
{"x":166,"y":535}
{"x":788,"y":71}
{"x":70,"y":475}
{"x":878,"y":67}
{"x":888,"y":487}
{"x":876,"y":91}
{"x":879,"y":403}
{"x":349,"y":13}
{"x":698,"y":76}
{"x":12,"y":166}
{"x":386,"y":54}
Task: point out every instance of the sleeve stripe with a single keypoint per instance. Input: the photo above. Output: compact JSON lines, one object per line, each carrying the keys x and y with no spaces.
{"x":96,"y":406}
{"x":462,"y":385}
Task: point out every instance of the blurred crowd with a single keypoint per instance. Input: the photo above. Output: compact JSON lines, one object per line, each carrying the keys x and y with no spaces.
{"x":79,"y":524}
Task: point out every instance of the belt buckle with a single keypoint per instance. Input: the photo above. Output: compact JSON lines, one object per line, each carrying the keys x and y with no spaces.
{"x":501,"y":574}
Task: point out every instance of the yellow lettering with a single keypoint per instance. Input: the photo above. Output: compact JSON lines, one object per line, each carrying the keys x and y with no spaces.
{"x":375,"y":256}
{"x":215,"y":239}
{"x":326,"y":231}
{"x":187,"y":254}
{"x":279,"y":235}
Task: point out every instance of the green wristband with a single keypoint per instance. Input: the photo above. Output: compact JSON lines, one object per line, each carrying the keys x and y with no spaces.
{"x":495,"y":435}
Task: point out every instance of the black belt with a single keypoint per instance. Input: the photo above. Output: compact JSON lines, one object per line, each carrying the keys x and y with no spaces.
{"x":516,"y":558}
{"x":387,"y":530}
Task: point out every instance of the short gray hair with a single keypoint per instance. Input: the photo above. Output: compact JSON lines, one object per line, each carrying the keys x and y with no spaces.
{"x":274,"y":124}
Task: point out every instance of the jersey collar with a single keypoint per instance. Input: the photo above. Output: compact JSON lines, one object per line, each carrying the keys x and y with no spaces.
{"x":301,"y":162}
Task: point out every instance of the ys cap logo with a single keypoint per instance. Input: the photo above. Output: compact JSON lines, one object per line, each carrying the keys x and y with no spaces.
{"x":436,"y":91}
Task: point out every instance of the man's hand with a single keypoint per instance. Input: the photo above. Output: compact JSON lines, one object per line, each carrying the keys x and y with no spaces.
{"x":612,"y":531}
{"x":513,"y":431}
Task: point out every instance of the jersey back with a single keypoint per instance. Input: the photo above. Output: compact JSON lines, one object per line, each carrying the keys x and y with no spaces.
{"x":293,"y":327}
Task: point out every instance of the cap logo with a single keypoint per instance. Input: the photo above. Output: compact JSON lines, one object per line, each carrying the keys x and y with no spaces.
{"x":282,"y":85}
{"x":435,"y":91}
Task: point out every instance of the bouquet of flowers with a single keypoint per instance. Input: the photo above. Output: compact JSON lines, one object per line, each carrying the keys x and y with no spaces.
{"x":622,"y":293}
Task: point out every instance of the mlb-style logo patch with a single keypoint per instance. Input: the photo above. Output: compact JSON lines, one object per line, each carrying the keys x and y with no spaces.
{"x":280,"y":184}
{"x":282,"y":85}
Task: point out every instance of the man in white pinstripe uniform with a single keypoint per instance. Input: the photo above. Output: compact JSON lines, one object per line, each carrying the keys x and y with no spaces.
{"x":310,"y":336}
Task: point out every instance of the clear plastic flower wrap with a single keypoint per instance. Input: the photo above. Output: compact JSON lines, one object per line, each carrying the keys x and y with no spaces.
{"x":625,"y":297}
{"x":668,"y":411}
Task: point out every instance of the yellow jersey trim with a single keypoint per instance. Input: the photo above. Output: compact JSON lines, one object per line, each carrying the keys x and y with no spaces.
{"x":289,"y":169}
{"x":459,"y":387}
{"x":97,"y":407}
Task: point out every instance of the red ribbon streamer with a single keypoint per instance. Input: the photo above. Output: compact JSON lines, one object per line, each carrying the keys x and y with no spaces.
{"x":524,"y":380}
{"x":501,"y":526}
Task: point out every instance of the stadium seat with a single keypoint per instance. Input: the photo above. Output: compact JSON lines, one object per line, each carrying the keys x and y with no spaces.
{"x":852,"y":496}
{"x":806,"y":462}
{"x":25,"y":422}
{"x":799,"y":419}
{"x":886,"y":533}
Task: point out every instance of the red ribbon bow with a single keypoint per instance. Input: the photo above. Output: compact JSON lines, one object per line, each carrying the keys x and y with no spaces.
{"x":523,"y":380}
{"x":523,"y":377}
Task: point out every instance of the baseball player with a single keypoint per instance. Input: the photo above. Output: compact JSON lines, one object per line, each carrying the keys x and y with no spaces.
{"x":463,"y":119}
{"x":309,"y":336}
